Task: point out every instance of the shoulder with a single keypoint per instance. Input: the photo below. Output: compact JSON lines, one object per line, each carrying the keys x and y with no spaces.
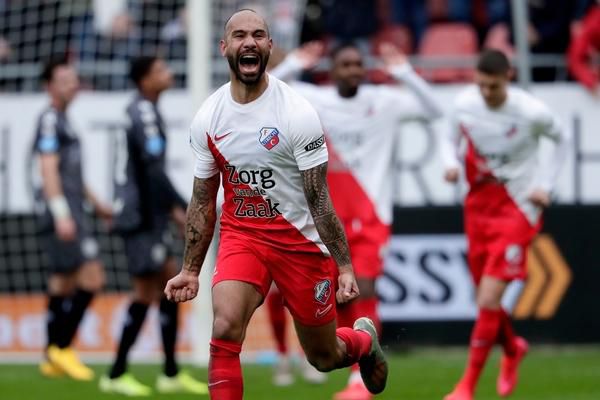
{"x":141,"y":111}
{"x":530,"y":106}
{"x":302,"y":116}
{"x":293,"y":102}
{"x":48,"y":117}
{"x":297,"y":115}
{"x":208,"y":108}
{"x":468,"y":97}
{"x":371,"y":91}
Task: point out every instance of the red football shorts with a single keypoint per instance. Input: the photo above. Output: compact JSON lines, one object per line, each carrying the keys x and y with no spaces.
{"x":367,"y":241}
{"x":498,"y":233}
{"x":307,"y":281}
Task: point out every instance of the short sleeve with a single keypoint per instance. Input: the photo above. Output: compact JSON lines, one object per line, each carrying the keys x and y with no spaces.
{"x":310,"y":148}
{"x":146,"y":129}
{"x":206,"y":165}
{"x":47,"y":140}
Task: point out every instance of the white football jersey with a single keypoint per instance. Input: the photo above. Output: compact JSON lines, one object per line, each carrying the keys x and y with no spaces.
{"x":360,"y":133}
{"x":260,"y":148}
{"x":503,"y":144}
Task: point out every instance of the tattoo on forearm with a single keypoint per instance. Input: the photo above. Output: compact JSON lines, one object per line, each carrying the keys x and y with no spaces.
{"x":328,"y":225}
{"x":200,"y":222}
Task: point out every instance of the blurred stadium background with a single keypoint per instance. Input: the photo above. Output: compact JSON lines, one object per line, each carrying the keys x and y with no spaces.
{"x":427,"y":296}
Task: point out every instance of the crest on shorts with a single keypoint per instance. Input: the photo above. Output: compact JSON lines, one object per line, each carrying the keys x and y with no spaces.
{"x":323,"y":291}
{"x":513,"y":254}
{"x":269,"y":137}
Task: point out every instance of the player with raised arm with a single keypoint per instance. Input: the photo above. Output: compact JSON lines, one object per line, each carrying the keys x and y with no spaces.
{"x":145,"y":201}
{"x":278,"y":224}
{"x":361,"y":122}
{"x":75,"y":273}
{"x":510,"y":183}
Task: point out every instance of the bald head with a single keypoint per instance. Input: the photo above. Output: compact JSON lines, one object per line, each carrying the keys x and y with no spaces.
{"x":247,"y":45}
{"x":243,"y":17}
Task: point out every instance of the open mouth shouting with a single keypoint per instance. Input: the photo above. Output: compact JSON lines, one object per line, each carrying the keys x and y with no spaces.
{"x":249,"y":64}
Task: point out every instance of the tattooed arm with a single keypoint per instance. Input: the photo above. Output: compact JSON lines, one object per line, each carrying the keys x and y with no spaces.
{"x":199,"y":229}
{"x":330,"y":228}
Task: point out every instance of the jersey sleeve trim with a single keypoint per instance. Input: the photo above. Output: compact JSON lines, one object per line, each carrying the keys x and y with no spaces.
{"x":47,"y":141}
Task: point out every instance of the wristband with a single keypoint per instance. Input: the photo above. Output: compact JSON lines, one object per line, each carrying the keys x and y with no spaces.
{"x":59,"y":208}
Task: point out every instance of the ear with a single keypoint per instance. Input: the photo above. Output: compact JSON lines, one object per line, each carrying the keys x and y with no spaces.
{"x":510,"y":75}
{"x":222,"y":46}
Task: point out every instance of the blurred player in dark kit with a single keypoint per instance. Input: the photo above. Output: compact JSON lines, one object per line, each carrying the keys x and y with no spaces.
{"x":75,"y":273}
{"x":145,"y":202}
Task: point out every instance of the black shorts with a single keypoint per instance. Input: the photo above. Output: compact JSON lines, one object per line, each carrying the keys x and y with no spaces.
{"x":147,"y":251}
{"x":66,"y":257}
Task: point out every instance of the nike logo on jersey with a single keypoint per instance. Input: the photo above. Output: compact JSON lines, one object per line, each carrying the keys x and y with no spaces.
{"x":217,"y":137}
{"x":323,"y":311}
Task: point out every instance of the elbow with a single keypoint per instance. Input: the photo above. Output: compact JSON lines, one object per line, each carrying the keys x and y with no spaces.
{"x":436,"y":112}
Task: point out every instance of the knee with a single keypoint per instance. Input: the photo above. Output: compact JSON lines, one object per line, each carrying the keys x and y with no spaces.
{"x":143,"y":296}
{"x":92,"y":277}
{"x":487,"y":301}
{"x":323,"y":362}
{"x":227,"y":328}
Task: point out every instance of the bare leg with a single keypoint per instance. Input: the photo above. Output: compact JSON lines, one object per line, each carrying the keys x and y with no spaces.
{"x":322,"y":347}
{"x":328,"y":348}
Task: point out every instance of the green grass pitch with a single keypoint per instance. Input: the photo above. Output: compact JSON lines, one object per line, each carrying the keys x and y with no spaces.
{"x":548,"y":373}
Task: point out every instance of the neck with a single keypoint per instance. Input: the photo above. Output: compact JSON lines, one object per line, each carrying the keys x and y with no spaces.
{"x":347,"y":92}
{"x":243,"y":93}
{"x":149,"y":95}
{"x":58,"y":104}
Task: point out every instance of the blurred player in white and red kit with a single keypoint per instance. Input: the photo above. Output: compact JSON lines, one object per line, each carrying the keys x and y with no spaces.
{"x":511,"y":176}
{"x":278,"y":223}
{"x":361,"y":122}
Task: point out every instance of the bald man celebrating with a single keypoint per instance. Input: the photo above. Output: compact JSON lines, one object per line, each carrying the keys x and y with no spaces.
{"x":278,"y":223}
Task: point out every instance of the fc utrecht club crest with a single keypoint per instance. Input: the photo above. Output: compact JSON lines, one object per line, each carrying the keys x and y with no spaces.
{"x":323,"y":291}
{"x":269,"y":137}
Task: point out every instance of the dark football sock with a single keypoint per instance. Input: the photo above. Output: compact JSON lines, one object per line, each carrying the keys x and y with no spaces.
{"x":168,"y":328}
{"x":135,"y":319}
{"x":79,"y":303}
{"x":55,"y":323}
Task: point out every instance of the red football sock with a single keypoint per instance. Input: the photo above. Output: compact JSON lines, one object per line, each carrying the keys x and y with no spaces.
{"x":346,"y":314}
{"x":368,"y":308}
{"x":358,"y":344}
{"x":278,"y":319}
{"x":483,"y":337}
{"x":507,"y":335}
{"x":225,"y":371}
